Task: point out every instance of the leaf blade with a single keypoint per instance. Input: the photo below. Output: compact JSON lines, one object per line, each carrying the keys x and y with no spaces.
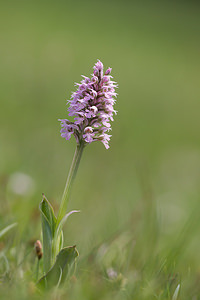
{"x":61,"y":269}
{"x":48,"y":230}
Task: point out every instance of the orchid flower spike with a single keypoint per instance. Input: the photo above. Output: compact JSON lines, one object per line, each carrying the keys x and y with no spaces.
{"x":92,"y":108}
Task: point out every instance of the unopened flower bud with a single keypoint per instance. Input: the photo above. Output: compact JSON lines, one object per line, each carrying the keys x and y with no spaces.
{"x":38,"y":249}
{"x":96,"y":72}
{"x":99,"y":65}
{"x":108,"y":71}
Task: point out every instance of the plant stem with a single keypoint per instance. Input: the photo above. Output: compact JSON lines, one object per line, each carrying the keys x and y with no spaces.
{"x":37,"y":269}
{"x":70,"y":179}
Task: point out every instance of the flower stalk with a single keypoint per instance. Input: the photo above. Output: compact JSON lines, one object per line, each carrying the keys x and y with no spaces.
{"x":70,"y":180}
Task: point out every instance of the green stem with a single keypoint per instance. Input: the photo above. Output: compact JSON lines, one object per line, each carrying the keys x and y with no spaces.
{"x":37,"y":269}
{"x":70,"y":179}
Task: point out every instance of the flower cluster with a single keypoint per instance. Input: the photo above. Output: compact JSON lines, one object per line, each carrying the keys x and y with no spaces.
{"x":92,"y":108}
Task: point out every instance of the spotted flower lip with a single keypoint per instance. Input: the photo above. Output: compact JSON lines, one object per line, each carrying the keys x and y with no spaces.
{"x":91,"y":105}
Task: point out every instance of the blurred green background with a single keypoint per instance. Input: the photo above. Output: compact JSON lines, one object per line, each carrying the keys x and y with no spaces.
{"x":152,"y":169}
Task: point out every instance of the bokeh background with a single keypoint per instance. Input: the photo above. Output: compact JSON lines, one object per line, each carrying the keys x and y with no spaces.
{"x":148,"y":182}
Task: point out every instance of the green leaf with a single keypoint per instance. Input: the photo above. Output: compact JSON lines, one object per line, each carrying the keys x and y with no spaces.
{"x":48,"y":230}
{"x":6,"y":229}
{"x":65,"y":261}
{"x":47,"y":210}
{"x":59,"y":228}
{"x":57,"y":242}
{"x":47,"y":244}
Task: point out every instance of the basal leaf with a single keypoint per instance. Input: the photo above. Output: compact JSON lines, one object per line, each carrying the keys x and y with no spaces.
{"x":65,"y":260}
{"x":47,"y":210}
{"x":48,"y":230}
{"x":47,"y":243}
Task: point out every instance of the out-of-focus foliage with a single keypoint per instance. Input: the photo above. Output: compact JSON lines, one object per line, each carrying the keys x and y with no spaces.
{"x":138,"y":230}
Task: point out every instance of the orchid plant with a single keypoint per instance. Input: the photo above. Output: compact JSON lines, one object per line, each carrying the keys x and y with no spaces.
{"x":91,"y":105}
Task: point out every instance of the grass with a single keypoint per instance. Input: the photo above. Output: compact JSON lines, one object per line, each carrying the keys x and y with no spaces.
{"x":138,"y":230}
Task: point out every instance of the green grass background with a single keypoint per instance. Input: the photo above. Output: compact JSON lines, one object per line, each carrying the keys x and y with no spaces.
{"x":139,"y":200}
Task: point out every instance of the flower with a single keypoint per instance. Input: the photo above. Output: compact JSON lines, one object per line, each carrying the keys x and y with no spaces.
{"x":92,"y":108}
